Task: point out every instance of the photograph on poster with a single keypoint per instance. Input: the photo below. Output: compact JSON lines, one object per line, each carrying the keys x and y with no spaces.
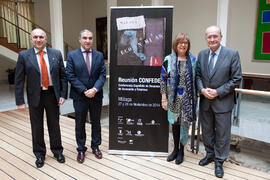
{"x":140,"y":40}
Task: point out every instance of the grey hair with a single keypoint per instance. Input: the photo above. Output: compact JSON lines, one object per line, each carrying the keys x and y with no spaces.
{"x":45,"y":35}
{"x":83,"y":31}
{"x":213,"y":26}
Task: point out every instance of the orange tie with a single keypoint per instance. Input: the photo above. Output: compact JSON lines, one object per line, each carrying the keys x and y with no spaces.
{"x":44,"y":71}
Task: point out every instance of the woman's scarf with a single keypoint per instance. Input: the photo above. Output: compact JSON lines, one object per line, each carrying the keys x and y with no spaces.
{"x":189,"y":107}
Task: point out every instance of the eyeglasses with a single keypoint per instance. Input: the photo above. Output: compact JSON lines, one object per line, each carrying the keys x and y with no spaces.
{"x":182,"y":43}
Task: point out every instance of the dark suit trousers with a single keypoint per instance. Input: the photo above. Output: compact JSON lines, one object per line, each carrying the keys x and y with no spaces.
{"x":94,"y":106}
{"x":216,"y":131}
{"x":49,"y":103}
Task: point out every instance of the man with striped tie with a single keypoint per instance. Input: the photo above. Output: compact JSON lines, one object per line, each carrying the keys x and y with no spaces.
{"x":86,"y":73}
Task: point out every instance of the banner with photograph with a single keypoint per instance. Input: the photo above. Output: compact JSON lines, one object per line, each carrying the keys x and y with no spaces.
{"x":140,"y":38}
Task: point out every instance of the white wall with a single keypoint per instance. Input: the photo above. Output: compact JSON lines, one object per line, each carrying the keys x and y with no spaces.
{"x":72,"y":21}
{"x":77,"y":15}
{"x":190,"y":16}
{"x":193,"y":17}
{"x":91,"y":10}
{"x":242,"y":34}
{"x":134,"y":2}
{"x":42,"y":14}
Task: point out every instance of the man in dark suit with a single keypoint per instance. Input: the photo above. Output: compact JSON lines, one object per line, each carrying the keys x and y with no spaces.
{"x":218,"y":73}
{"x":46,"y":87}
{"x":86,"y":73}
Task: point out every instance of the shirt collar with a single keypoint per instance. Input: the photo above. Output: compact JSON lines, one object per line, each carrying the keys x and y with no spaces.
{"x":37,"y":51}
{"x":83,"y":50}
{"x":216,"y":52}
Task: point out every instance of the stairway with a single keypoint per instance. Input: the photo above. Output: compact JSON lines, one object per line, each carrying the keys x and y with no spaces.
{"x":12,"y":46}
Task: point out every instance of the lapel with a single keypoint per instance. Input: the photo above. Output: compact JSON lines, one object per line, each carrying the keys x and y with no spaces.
{"x":81,"y":60}
{"x":218,"y":63}
{"x":51,"y":59}
{"x":33,"y":59}
{"x":205,"y":65}
{"x":93,"y":62}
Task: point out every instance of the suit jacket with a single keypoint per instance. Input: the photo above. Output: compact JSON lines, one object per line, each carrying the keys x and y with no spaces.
{"x":79,"y":78}
{"x":225,"y":76}
{"x":27,"y":65}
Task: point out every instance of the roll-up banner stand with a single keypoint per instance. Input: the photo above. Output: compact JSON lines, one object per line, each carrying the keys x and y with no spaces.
{"x":140,"y":38}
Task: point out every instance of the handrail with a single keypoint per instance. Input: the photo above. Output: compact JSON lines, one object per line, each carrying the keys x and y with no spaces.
{"x":14,"y":25}
{"x":21,"y":29}
{"x":36,"y":25}
{"x":252,"y":92}
{"x":260,"y":75}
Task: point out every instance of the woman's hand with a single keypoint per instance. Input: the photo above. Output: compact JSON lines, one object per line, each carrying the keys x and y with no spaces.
{"x":164,"y":103}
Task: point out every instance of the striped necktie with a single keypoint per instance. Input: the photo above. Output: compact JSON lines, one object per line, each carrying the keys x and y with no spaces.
{"x":211,"y":64}
{"x":87,"y":60}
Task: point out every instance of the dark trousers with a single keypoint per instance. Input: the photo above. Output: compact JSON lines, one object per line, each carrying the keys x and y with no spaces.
{"x":50,"y":105}
{"x":216,"y":131}
{"x":94,"y":106}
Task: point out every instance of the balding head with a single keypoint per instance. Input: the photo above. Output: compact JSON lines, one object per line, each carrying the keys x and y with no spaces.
{"x":213,"y":37}
{"x":38,"y":38}
{"x":213,"y":27}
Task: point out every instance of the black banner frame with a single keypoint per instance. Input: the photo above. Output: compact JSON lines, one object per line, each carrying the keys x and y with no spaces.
{"x":137,"y":123}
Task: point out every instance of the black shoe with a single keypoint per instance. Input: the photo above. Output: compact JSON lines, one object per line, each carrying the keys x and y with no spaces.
{"x":40,"y":162}
{"x":173,"y":155}
{"x":206,"y":160}
{"x":60,"y":158}
{"x":219,"y":172}
{"x":180,"y":156}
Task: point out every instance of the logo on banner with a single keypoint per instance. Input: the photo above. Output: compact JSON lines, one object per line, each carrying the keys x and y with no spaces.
{"x":139,"y":122}
{"x":120,"y":119}
{"x":130,"y":141}
{"x":129,"y":121}
{"x":120,"y":132}
{"x":128,"y":133}
{"x":139,"y":133}
{"x":152,"y":123}
{"x":122,"y":142}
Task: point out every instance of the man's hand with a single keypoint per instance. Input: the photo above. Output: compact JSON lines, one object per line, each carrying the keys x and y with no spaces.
{"x":22,"y":107}
{"x":213,"y":93}
{"x":209,"y":93}
{"x":61,"y":101}
{"x":90,"y":93}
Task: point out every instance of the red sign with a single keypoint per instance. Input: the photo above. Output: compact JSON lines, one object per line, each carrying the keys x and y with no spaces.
{"x":266,"y":42}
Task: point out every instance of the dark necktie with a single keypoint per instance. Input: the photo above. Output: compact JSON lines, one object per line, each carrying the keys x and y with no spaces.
{"x":87,"y":60}
{"x":211,"y":63}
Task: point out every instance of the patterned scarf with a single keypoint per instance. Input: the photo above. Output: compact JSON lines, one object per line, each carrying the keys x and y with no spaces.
{"x":189,"y":107}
